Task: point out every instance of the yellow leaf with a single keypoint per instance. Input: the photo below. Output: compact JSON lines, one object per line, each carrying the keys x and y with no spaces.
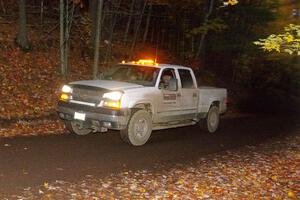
{"x":142,"y":190}
{"x":199,"y":193}
{"x":289,"y":38}
{"x":46,"y":185}
{"x":291,"y":194}
{"x":181,"y":182}
{"x":232,"y":2}
{"x":274,"y":178}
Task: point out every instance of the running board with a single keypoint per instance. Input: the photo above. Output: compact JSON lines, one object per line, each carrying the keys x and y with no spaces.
{"x":173,"y":125}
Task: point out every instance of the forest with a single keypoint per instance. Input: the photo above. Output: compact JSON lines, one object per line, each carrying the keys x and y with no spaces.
{"x":249,"y":49}
{"x":45,"y":43}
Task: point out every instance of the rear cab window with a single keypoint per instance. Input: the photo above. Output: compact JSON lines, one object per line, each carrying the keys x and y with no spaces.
{"x":186,"y":79}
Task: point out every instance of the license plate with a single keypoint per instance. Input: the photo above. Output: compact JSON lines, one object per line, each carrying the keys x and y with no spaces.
{"x":79,"y":116}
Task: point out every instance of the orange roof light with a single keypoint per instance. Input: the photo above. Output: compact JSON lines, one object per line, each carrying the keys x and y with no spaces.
{"x":143,"y":62}
{"x":146,"y":62}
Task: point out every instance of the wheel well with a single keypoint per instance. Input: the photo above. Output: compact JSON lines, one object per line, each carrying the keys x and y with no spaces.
{"x":143,"y":106}
{"x":215,"y":103}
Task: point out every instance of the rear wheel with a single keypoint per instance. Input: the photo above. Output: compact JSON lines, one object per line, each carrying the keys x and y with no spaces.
{"x":211,"y":122}
{"x":77,"y":128}
{"x":139,"y":128}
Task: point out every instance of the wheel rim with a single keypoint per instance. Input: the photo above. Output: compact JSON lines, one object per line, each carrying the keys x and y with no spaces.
{"x":213,"y":121}
{"x":141,"y":128}
{"x":78,"y":128}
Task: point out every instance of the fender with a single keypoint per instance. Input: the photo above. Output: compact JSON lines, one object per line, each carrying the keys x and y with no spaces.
{"x":133,"y":104}
{"x":205,"y":107}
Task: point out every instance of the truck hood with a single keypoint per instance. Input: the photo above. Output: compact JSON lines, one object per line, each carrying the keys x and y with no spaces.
{"x":107,"y":84}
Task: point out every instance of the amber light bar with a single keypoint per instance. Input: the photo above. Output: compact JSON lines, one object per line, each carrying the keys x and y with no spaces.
{"x":142,"y":62}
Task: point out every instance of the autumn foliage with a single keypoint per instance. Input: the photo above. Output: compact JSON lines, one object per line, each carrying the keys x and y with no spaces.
{"x":30,"y":81}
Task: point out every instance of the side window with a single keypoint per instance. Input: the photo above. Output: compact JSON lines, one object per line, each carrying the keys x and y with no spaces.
{"x":165,"y":78}
{"x":186,"y":78}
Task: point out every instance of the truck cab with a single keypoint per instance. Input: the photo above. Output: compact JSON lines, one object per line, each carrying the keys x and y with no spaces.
{"x":139,"y":97}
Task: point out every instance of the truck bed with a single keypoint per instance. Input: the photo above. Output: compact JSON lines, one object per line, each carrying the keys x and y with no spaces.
{"x":208,"y":95}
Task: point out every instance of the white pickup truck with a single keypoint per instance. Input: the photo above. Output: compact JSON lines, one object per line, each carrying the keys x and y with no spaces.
{"x":139,"y":97}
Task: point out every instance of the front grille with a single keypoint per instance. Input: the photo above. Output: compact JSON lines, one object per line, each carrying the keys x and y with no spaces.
{"x":87,"y":93}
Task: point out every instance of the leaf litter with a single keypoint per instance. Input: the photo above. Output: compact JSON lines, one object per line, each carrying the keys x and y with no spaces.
{"x":267,"y":171}
{"x":29,"y":87}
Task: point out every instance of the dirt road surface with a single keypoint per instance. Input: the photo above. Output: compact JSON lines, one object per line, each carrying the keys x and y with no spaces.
{"x":27,"y":162}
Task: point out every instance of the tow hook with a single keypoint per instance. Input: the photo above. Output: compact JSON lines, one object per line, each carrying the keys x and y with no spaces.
{"x":103,"y":129}
{"x":97,"y":127}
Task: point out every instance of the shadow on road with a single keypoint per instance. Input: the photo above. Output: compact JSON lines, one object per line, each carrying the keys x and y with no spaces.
{"x":30,"y":161}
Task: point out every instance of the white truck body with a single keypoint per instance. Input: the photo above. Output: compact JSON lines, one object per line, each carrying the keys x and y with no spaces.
{"x":183,"y":104}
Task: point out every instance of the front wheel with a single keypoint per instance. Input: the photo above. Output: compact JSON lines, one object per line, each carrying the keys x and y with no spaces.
{"x":139,"y":128}
{"x":77,"y":128}
{"x":211,"y":122}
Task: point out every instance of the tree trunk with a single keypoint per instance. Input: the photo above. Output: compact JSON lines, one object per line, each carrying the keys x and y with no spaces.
{"x":138,"y":27}
{"x":153,"y":30}
{"x":129,"y":21}
{"x":66,"y":41}
{"x":113,"y":21}
{"x":170,"y":41}
{"x":21,"y":39}
{"x":192,"y":44}
{"x":137,"y":7}
{"x":93,"y":5}
{"x":42,"y":11}
{"x":203,"y":36}
{"x":2,"y":7}
{"x":62,"y":39}
{"x":97,"y":38}
{"x":147,"y":23}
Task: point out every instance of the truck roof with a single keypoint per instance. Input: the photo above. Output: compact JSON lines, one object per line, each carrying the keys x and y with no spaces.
{"x":173,"y":66}
{"x":157,"y":65}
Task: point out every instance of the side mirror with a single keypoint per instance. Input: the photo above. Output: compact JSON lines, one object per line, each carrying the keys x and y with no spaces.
{"x":173,"y":84}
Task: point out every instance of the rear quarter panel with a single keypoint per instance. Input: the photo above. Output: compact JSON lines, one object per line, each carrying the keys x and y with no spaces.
{"x":208,"y":95}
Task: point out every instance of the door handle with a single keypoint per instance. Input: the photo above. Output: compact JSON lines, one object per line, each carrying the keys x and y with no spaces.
{"x":178,"y":95}
{"x":194,"y":95}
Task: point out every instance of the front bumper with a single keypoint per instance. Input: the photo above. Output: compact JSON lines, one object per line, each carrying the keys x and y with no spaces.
{"x":101,"y":117}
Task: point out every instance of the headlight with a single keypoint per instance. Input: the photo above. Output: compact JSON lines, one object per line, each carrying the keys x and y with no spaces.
{"x":112,"y":104}
{"x":66,"y":89}
{"x":111,"y":100}
{"x":115,"y":96}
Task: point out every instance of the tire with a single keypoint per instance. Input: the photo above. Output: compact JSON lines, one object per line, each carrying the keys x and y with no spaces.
{"x":74,"y":127}
{"x":211,"y":123}
{"x":139,"y":128}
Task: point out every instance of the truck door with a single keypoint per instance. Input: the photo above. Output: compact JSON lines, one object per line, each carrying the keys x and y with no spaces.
{"x":189,"y":94}
{"x":169,"y":100}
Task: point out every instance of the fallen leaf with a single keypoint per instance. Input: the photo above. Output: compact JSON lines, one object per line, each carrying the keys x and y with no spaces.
{"x":46,"y":185}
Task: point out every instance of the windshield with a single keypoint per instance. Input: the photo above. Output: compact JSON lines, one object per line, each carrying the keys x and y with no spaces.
{"x":142,"y":75}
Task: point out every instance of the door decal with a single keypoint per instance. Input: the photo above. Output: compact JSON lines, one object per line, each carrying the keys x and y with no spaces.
{"x":169,"y":97}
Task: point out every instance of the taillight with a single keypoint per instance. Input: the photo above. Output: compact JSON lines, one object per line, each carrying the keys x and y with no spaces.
{"x":226,"y":101}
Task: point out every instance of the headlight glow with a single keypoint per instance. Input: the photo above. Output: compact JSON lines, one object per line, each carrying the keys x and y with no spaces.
{"x":66,"y":89}
{"x":112,"y":104}
{"x":111,"y":100}
{"x":115,"y":96}
{"x":64,"y":97}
